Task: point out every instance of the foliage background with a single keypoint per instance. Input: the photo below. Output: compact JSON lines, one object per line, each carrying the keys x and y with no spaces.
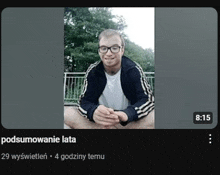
{"x":82,"y":26}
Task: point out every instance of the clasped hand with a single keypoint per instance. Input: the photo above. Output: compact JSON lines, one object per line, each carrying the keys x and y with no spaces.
{"x":108,"y":117}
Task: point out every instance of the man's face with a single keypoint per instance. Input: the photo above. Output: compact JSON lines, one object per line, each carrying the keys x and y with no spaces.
{"x":109,"y":59}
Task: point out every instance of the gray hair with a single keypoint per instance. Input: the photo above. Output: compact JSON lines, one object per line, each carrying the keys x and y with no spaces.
{"x":110,"y":32}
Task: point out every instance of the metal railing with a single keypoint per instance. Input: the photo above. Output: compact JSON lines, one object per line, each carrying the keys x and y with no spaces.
{"x":74,"y":82}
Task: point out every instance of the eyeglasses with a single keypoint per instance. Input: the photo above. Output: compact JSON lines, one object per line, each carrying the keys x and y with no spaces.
{"x":113,"y":49}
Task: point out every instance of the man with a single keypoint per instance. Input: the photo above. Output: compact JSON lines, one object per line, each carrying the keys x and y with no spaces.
{"x":116,"y":94}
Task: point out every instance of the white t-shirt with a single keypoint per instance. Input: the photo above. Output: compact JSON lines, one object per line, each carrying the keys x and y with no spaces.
{"x":113,"y":96}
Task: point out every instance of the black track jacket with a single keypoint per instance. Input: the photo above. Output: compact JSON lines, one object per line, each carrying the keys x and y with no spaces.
{"x":134,"y":85}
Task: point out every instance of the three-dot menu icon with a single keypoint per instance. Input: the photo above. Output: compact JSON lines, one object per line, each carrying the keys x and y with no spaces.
{"x":210,"y":138}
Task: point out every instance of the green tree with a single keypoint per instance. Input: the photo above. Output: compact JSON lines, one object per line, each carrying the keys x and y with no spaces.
{"x":144,"y":57}
{"x":82,"y":27}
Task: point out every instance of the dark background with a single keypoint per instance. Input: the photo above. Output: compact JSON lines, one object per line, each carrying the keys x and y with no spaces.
{"x":129,"y":151}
